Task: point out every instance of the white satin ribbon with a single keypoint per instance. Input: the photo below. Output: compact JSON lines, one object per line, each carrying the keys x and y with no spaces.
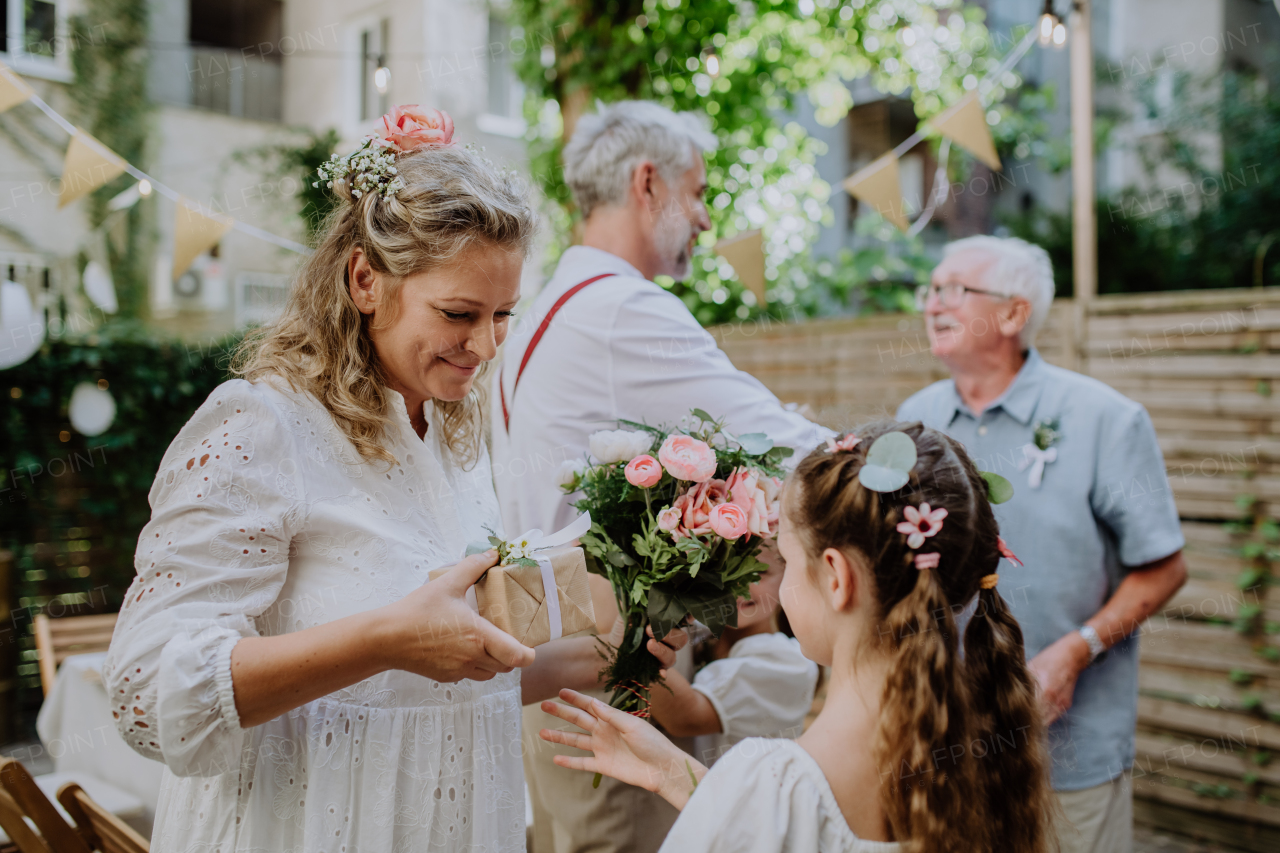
{"x":1036,"y":458}
{"x":539,"y":542}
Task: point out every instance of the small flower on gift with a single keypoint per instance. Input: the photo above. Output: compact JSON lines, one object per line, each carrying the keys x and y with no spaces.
{"x":643,"y":472}
{"x":921,"y":523}
{"x":687,"y":458}
{"x":729,"y":521}
{"x":1006,"y":553}
{"x":669,"y":519}
{"x":849,"y":442}
{"x":928,"y":561}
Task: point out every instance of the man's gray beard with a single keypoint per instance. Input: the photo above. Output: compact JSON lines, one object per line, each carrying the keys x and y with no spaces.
{"x":671,"y":240}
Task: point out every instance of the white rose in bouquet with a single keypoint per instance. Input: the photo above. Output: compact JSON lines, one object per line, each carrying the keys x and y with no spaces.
{"x":618,"y":445}
{"x":569,"y":469}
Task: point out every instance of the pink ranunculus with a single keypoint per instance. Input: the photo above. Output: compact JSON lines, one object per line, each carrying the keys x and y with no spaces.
{"x":643,"y":472}
{"x":669,"y":519}
{"x":410,"y":126}
{"x":728,"y":520}
{"x":758,"y":496}
{"x":687,"y":458}
{"x":696,"y":504}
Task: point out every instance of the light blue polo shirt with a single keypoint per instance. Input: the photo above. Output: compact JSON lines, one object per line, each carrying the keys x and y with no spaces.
{"x":1103,"y":505}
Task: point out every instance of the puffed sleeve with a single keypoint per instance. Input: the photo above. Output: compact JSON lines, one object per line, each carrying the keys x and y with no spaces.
{"x":667,"y":363}
{"x":225,"y":505}
{"x":1131,"y":493}
{"x":763,"y":689}
{"x":764,"y":796}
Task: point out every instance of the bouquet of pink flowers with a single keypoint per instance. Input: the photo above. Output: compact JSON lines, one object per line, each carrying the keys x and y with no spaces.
{"x":676,"y":535}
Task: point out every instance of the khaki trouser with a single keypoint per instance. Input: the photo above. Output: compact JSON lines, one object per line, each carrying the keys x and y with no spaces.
{"x":1097,"y":819}
{"x":569,"y":816}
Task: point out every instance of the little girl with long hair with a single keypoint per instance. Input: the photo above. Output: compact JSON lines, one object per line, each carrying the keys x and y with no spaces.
{"x":918,"y":749}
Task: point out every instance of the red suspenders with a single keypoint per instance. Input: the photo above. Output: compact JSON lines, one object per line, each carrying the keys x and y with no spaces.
{"x":533,"y":344}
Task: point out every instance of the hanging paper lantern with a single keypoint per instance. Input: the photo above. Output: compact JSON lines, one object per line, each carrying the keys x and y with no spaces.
{"x":92,"y":409}
{"x":99,"y":287}
{"x":21,"y":326}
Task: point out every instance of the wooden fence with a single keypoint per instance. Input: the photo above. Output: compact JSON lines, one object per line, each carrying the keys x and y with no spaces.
{"x":1204,"y":364}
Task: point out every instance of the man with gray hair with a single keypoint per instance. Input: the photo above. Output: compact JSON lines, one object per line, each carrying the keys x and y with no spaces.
{"x":601,"y":343}
{"x":1092,"y":517}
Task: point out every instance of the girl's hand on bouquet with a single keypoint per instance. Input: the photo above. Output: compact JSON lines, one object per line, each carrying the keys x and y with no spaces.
{"x":624,"y":747}
{"x":664,"y":650}
{"x":436,"y":634}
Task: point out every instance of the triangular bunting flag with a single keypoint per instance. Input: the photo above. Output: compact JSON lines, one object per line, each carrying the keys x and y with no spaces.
{"x":13,"y":90}
{"x":745,"y":253}
{"x":89,"y":164}
{"x":877,"y":185}
{"x":194,"y":231}
{"x":965,"y":124}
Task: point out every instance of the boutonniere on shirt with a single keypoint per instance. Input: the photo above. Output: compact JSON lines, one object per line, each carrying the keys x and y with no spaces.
{"x":1041,"y":451}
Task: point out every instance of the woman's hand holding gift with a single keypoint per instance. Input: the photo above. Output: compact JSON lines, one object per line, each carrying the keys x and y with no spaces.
{"x":624,"y":747}
{"x":434,"y":632}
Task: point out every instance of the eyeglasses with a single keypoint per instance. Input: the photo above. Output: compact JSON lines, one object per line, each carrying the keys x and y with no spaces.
{"x":951,"y":295}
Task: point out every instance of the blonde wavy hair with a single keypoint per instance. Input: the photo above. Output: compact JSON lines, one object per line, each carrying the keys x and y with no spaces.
{"x":453,"y":199}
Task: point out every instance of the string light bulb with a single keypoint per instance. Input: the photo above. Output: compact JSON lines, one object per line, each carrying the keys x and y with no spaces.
{"x":1059,"y":34}
{"x":713,"y":65}
{"x":1048,"y":20}
{"x":382,"y":79}
{"x":144,"y":188}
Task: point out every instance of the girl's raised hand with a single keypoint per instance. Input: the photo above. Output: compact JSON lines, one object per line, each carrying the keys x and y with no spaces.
{"x":625,"y":748}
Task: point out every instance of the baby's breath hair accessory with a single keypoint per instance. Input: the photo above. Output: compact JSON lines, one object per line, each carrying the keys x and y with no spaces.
{"x":370,"y":168}
{"x":849,"y":442}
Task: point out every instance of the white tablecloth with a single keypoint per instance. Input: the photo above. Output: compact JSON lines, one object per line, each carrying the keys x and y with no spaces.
{"x":79,"y":734}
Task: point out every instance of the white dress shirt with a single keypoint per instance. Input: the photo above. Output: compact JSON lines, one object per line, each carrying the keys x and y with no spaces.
{"x":621,"y":348}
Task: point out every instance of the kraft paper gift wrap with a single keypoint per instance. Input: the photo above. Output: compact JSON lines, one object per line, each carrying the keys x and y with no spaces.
{"x":512,"y":597}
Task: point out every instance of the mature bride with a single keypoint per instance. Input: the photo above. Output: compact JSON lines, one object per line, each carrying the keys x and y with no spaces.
{"x":281,"y":650}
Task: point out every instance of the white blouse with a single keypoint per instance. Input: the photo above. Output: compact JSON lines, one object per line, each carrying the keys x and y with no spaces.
{"x":766,"y":796}
{"x":264,"y":521}
{"x":764,"y":688}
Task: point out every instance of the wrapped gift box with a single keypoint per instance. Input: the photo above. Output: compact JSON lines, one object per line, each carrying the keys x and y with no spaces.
{"x":512,"y":596}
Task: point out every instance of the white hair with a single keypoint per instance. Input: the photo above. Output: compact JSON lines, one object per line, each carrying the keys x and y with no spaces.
{"x":1020,"y":269}
{"x":608,"y":144}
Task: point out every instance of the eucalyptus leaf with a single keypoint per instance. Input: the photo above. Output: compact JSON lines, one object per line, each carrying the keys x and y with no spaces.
{"x":779,"y":453}
{"x":889,"y":462}
{"x":756,"y":443}
{"x":527,"y":562}
{"x":474,"y":548}
{"x":999,"y":489}
{"x":699,"y":413}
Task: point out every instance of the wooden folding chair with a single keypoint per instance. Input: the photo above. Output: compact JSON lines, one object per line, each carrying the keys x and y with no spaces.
{"x":21,"y":836}
{"x":58,"y":639}
{"x":55,"y":833}
{"x":99,"y":828}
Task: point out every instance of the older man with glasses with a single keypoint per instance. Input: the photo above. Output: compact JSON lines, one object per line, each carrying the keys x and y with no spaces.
{"x":1092,"y":517}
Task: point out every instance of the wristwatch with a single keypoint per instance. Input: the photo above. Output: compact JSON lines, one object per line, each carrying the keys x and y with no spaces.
{"x":1094,"y":642}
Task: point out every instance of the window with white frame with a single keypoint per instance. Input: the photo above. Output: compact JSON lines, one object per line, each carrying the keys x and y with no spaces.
{"x":504,"y":113}
{"x":31,"y":28}
{"x":375,"y":77}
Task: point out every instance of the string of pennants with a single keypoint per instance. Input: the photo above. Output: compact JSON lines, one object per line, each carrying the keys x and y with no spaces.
{"x":89,"y":164}
{"x":878,"y":185}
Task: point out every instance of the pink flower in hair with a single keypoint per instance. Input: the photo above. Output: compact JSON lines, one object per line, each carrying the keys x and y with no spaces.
{"x":1006,"y":553}
{"x":921,"y":523}
{"x":928,"y":561}
{"x":849,"y":442}
{"x":410,"y":126}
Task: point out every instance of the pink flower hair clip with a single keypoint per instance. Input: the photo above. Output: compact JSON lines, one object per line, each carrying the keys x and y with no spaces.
{"x":849,"y":442}
{"x":1006,"y":553}
{"x":928,"y":561}
{"x":921,"y":523}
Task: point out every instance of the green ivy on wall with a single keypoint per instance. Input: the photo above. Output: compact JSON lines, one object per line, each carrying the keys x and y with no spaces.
{"x":73,"y":505}
{"x":109,"y":59}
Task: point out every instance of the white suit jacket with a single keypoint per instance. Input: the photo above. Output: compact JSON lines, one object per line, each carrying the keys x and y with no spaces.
{"x":620,"y":348}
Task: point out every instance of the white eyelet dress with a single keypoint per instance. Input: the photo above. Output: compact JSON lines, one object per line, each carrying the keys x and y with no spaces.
{"x":266,"y":521}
